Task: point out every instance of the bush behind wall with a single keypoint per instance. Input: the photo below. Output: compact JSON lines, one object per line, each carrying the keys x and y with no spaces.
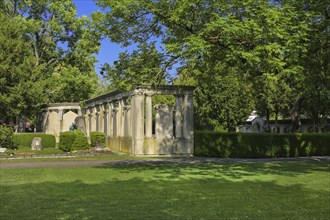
{"x":250,"y":145}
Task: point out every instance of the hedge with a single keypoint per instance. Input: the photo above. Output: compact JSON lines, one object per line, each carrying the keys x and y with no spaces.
{"x":25,"y":139}
{"x":73,"y":140}
{"x":6,"y":137}
{"x":81,"y":141}
{"x":250,"y":145}
{"x":97,"y":138}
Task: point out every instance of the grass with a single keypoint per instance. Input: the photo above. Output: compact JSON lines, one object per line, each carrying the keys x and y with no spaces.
{"x":281,"y":190}
{"x":24,"y":150}
{"x":111,"y":157}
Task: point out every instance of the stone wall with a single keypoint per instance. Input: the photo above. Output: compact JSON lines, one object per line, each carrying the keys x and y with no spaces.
{"x":126,"y":119}
{"x":58,"y":117}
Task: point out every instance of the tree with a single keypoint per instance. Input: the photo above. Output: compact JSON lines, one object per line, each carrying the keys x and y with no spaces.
{"x":316,"y":104}
{"x":59,"y":40}
{"x":60,"y":53}
{"x":142,"y":66}
{"x":224,"y":42}
{"x":20,"y":89}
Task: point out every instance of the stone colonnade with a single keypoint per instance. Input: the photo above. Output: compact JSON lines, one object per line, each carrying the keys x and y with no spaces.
{"x":58,"y":117}
{"x":127,"y":120}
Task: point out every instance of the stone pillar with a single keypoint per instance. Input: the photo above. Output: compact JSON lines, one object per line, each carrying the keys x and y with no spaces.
{"x":188,"y":122}
{"x":90,"y":120}
{"x":126,"y":121}
{"x":105,"y":118}
{"x":129,"y":122}
{"x":188,"y":116}
{"x":97,"y":118}
{"x":148,"y":115}
{"x":121,"y":117}
{"x":164,"y":129}
{"x":178,"y":116}
{"x":60,"y":120}
{"x":137,"y":121}
{"x":111,"y":119}
{"x":115,"y":122}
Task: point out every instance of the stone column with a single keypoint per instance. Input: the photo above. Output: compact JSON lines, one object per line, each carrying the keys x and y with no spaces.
{"x":137,"y":121}
{"x":148,"y":115}
{"x":164,"y":129}
{"x":105,"y":118}
{"x":111,"y":119}
{"x":129,"y":122}
{"x":178,"y":116}
{"x":121,"y":117}
{"x":126,"y":121}
{"x":115,"y":121}
{"x":188,"y":116}
{"x":188,"y":122}
{"x":60,"y":120}
{"x":90,"y":120}
{"x":97,"y":118}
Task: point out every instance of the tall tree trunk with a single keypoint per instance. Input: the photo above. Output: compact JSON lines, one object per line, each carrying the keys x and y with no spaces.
{"x":295,"y":117}
{"x":267,"y":126}
{"x":276,"y":121}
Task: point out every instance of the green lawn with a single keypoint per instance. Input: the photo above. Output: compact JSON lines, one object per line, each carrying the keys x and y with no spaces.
{"x":281,"y":190}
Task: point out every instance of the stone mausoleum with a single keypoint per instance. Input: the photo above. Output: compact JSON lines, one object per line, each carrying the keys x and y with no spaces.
{"x":130,"y":121}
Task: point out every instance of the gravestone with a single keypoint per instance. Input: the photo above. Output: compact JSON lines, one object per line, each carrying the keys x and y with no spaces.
{"x":36,"y":144}
{"x":2,"y":149}
{"x":80,"y":122}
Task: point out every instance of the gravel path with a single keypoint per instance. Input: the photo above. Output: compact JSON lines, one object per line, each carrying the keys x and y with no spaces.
{"x":6,"y":164}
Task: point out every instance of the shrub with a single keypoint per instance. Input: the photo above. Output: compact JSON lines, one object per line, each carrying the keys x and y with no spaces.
{"x":80,"y":142}
{"x":97,"y":138}
{"x":67,"y":139}
{"x":25,"y":139}
{"x":247,"y":145}
{"x":6,"y":137}
{"x":73,"y":140}
{"x":314,"y":144}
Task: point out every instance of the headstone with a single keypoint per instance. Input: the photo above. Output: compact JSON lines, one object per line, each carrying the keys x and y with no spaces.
{"x":36,"y":144}
{"x":3,"y":149}
{"x":80,"y":122}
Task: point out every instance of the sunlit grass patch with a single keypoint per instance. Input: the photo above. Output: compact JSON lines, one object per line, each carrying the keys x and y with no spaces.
{"x":290,"y":190}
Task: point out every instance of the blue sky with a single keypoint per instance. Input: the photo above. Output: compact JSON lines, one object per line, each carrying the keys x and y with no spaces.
{"x":109,"y":51}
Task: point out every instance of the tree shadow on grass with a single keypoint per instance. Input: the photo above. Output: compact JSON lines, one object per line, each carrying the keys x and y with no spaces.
{"x":229,"y":170}
{"x":136,"y":198}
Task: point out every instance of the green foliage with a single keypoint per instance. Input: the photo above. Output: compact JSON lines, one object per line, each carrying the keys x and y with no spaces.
{"x":314,"y":144}
{"x":241,"y":55}
{"x":66,"y":140}
{"x":48,"y":56}
{"x":245,"y":145}
{"x":25,"y":139}
{"x":73,"y":140}
{"x":80,"y":142}
{"x":316,"y":64}
{"x":26,"y":151}
{"x":276,"y":190}
{"x":6,"y":137}
{"x":21,"y":86}
{"x":97,"y":138}
{"x":141,"y":67}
